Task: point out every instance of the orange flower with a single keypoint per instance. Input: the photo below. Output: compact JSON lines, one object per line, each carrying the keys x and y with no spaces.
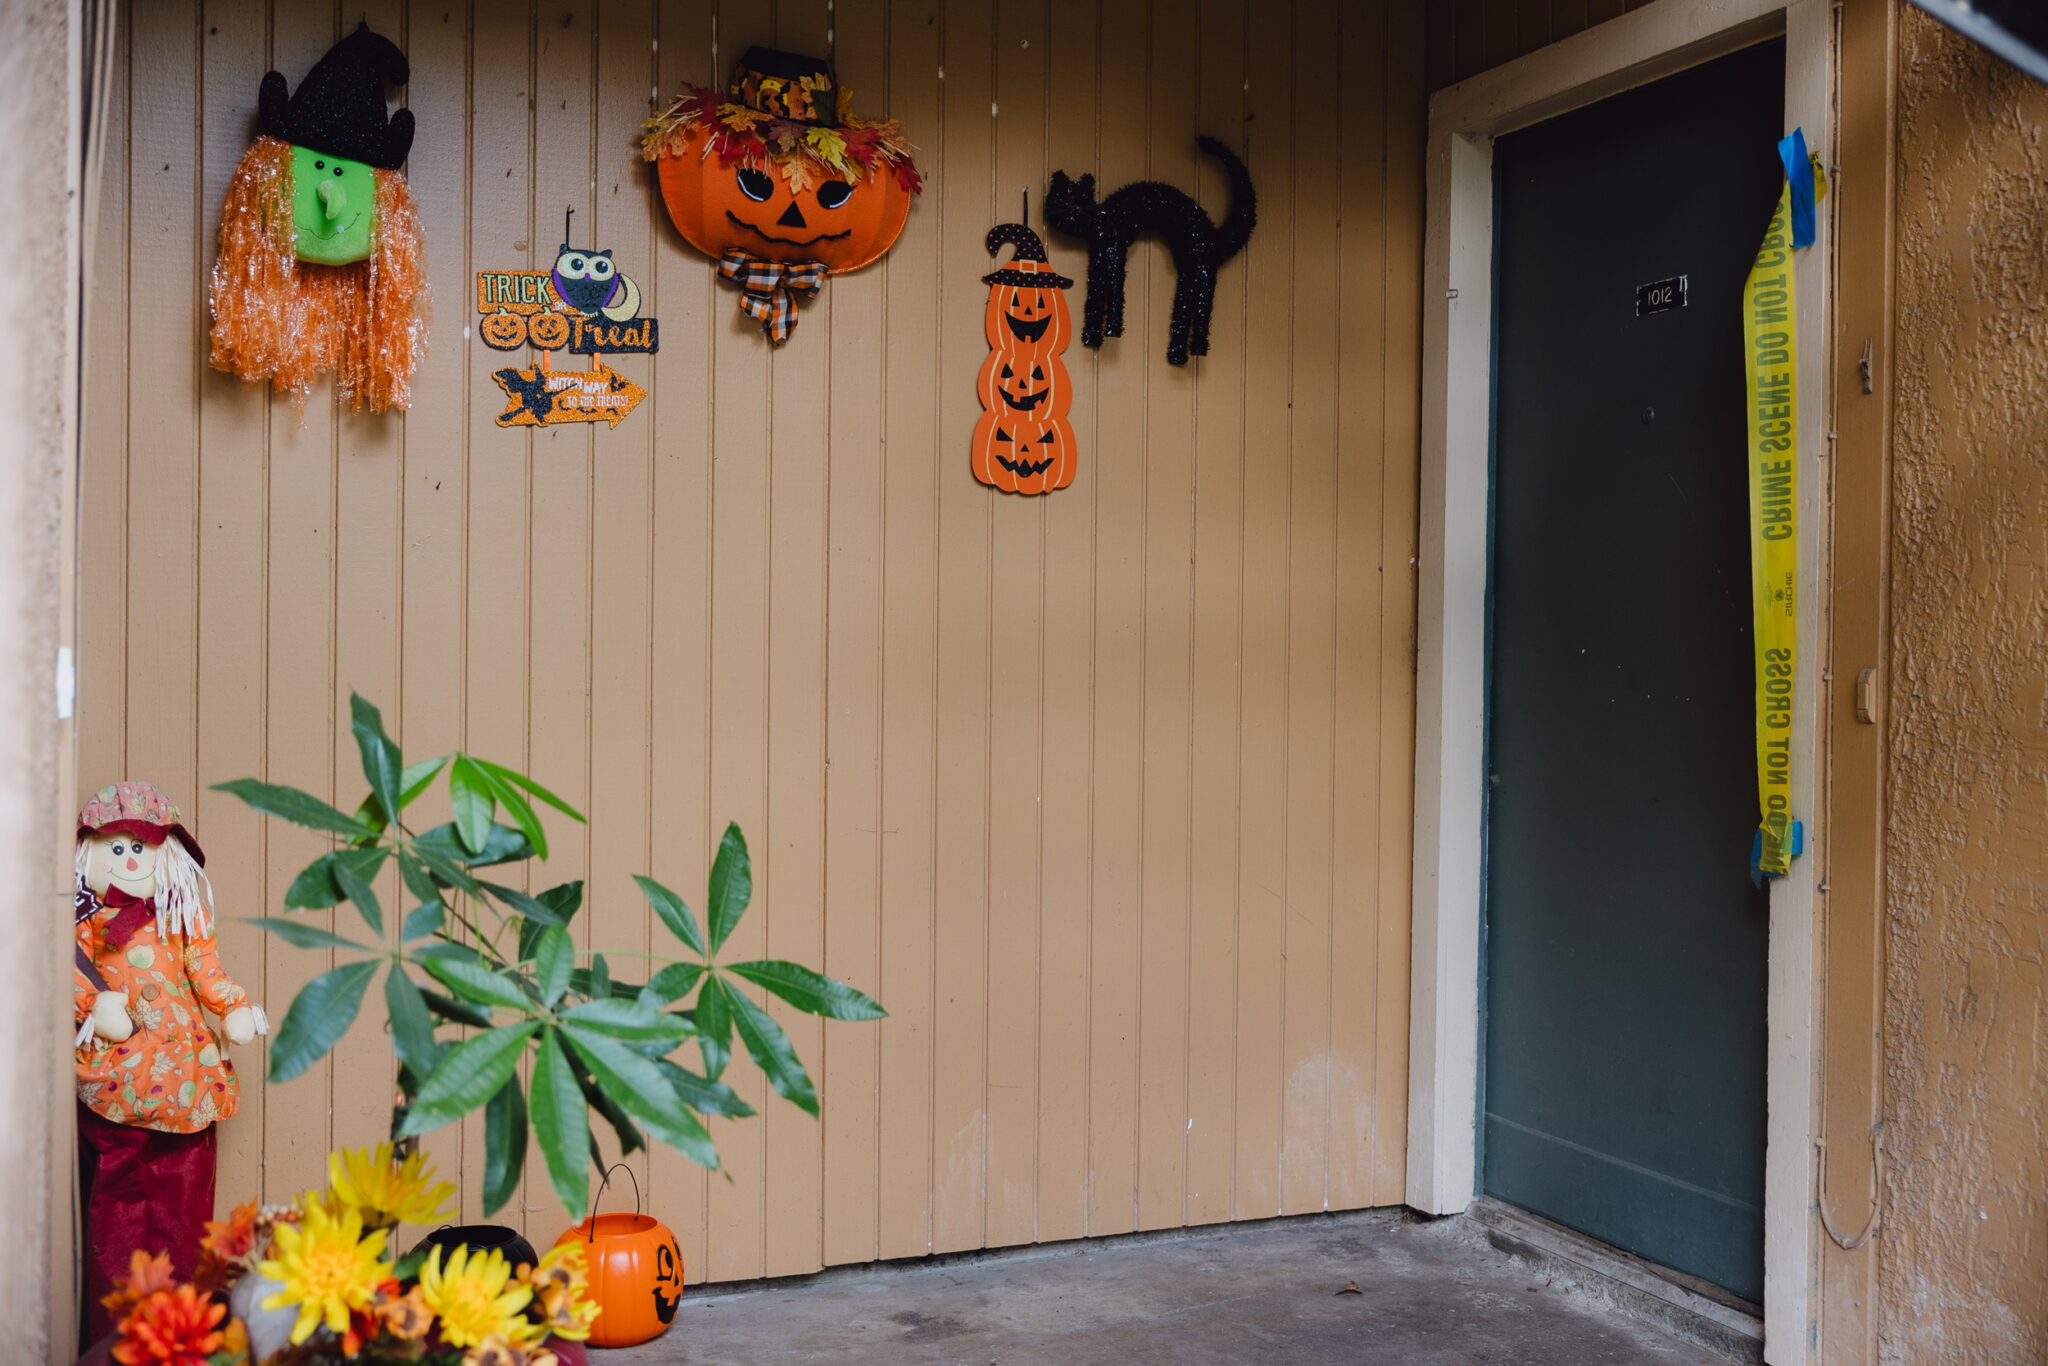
{"x":171,"y":1328}
{"x":234,"y":1237}
{"x":146,"y":1276}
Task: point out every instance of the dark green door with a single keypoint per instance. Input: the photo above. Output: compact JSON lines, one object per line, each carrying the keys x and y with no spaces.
{"x":1625,"y":946}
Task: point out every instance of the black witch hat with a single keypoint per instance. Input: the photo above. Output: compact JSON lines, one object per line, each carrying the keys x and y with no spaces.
{"x":339,"y":107}
{"x":1028,"y":266}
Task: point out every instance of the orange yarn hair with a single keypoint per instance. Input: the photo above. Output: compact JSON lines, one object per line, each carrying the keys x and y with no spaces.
{"x":276,"y":317}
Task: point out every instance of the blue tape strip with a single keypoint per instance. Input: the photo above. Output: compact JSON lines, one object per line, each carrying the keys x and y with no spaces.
{"x":1757,"y":875}
{"x":1799,"y":173}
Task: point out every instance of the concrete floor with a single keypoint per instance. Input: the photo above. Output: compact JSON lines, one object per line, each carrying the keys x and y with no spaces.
{"x":1432,"y":1295}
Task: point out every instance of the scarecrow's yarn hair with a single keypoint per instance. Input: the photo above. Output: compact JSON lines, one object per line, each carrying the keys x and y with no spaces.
{"x":278,"y":318}
{"x":184,"y":895}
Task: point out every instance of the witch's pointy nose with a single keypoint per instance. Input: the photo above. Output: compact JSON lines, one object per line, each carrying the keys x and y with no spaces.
{"x":333,"y":198}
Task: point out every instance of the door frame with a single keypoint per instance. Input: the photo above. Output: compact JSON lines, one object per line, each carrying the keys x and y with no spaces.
{"x":1643,"y":45}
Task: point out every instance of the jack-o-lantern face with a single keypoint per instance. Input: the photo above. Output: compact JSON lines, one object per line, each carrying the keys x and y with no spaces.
{"x":1015,"y":384}
{"x":635,"y":1274}
{"x":719,"y":208}
{"x":548,"y":330}
{"x":1023,"y":455}
{"x":1027,"y":321}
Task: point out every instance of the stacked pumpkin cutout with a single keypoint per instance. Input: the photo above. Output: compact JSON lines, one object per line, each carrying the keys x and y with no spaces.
{"x":1023,"y":442}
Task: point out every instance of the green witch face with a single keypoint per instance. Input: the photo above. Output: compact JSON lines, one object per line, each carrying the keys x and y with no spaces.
{"x":334,"y":203}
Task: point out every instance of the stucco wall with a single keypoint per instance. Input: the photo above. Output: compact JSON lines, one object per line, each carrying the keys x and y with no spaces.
{"x":1964,"y":1254}
{"x":38,"y":237}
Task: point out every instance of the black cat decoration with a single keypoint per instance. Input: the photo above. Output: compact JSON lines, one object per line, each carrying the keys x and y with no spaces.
{"x":1200,"y":246}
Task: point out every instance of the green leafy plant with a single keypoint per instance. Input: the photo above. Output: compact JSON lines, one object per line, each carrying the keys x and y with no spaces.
{"x":499,"y":963}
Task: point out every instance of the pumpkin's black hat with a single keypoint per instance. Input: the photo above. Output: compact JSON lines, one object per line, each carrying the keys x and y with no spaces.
{"x":339,"y":108}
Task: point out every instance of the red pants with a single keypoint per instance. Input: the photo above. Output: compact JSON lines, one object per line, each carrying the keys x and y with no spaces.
{"x":141,"y":1189}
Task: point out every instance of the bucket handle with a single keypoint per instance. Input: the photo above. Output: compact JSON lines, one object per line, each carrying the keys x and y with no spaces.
{"x":590,"y":1219}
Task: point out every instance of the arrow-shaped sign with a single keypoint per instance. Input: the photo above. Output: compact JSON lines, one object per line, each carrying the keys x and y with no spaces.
{"x":545,"y":398}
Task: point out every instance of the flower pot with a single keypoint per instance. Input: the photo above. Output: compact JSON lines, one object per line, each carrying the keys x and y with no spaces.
{"x":481,"y":1238}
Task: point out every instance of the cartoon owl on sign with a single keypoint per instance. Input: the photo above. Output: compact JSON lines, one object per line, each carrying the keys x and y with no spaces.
{"x":586,"y":280}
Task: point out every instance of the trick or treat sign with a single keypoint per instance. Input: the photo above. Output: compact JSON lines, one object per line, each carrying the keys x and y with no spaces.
{"x":584,"y":305}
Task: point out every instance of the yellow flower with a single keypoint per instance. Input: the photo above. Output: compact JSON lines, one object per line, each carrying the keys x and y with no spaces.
{"x":561,"y":1286}
{"x":328,"y":1266}
{"x":468,"y":1296}
{"x":384,"y":1193}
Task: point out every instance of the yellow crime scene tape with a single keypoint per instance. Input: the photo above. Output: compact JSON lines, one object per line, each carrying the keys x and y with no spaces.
{"x":1770,"y":370}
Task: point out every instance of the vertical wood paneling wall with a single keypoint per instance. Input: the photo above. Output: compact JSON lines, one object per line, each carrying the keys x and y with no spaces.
{"x":1105,"y":795}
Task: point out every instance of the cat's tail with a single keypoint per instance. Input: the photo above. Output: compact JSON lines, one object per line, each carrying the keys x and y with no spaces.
{"x":1236,"y":229}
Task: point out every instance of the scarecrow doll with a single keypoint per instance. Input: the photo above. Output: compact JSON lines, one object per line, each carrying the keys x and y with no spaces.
{"x":152,"y":1077}
{"x":320,"y":264}
{"x":777,"y":180}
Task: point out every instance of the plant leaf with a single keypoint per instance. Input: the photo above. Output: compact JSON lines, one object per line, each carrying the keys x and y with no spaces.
{"x":714,"y":1026}
{"x":672,"y":983}
{"x":564,"y":899}
{"x":461,"y":1012}
{"x":585,"y":982}
{"x":417,"y":778}
{"x":356,"y":888}
{"x":561,"y":1122}
{"x":418,"y":880}
{"x":631,"y":1021}
{"x":313,"y":889}
{"x":732,"y":886}
{"x":477,"y":983}
{"x":290,"y":804}
{"x":469,"y":791}
{"x":772,"y":1053}
{"x":468,"y":1077}
{"x":516,"y":806}
{"x":530,"y":907}
{"x":446,"y":871}
{"x":422,"y":921}
{"x":299,"y":934}
{"x":412,"y":1025}
{"x":503,"y":774}
{"x":631,"y":1140}
{"x":811,"y":992}
{"x":504,"y":1144}
{"x":705,"y":1097}
{"x":673,"y":913}
{"x":638,"y":1086}
{"x":381,"y":762}
{"x":505,"y":845}
{"x":320,"y":1014}
{"x":553,"y":958}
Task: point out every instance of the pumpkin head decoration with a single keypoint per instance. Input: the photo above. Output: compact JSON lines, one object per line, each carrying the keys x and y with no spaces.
{"x":1023,"y":442}
{"x":778,"y":181}
{"x":321,"y":266}
{"x":636,"y":1276}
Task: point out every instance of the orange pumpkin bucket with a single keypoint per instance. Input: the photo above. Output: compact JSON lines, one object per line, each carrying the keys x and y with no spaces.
{"x":636,"y":1271}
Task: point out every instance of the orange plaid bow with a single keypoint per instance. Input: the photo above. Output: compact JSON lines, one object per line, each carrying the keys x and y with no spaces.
{"x":769,"y":290}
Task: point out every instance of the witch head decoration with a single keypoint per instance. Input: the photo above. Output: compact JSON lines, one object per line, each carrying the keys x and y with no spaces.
{"x":778,"y":181}
{"x":320,"y":264}
{"x":1200,"y":246}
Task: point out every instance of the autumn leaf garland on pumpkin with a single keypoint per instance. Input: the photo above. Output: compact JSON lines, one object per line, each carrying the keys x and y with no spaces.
{"x":778,"y":180}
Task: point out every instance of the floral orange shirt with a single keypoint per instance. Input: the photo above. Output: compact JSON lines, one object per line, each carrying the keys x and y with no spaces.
{"x":171,"y":1073}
